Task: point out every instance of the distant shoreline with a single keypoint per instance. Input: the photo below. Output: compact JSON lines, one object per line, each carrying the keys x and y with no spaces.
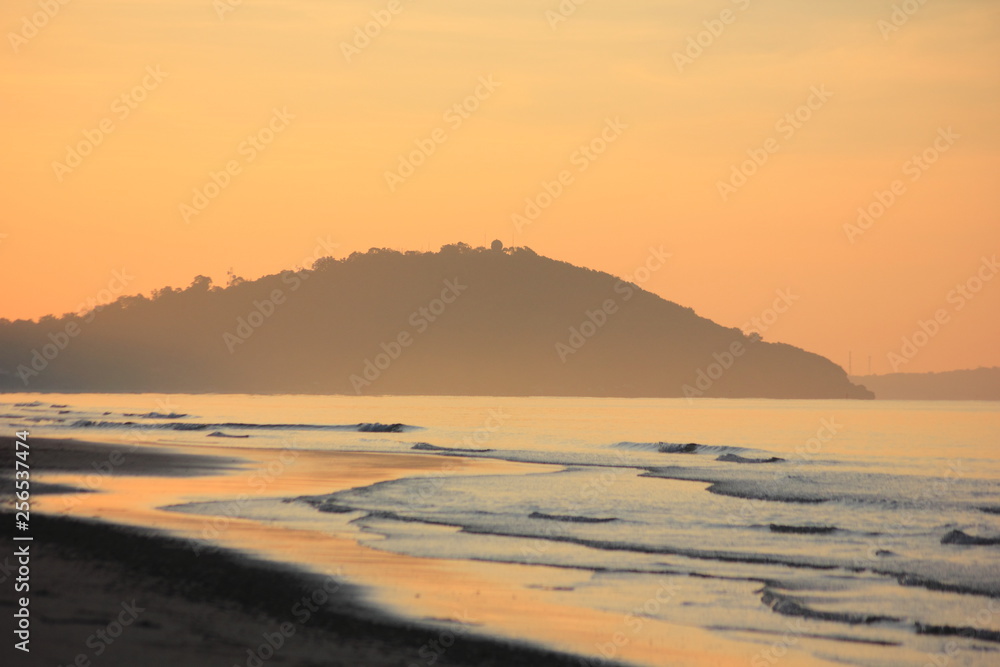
{"x":979,"y":384}
{"x":859,"y":379}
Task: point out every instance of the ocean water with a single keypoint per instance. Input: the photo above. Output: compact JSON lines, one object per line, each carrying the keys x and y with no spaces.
{"x":861,"y":532}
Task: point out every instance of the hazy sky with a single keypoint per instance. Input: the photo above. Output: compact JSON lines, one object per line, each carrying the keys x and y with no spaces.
{"x":155,"y":96}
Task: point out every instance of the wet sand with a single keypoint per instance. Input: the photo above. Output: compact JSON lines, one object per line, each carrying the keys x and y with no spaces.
{"x":119,"y":596}
{"x":217,"y":590}
{"x":107,"y":594}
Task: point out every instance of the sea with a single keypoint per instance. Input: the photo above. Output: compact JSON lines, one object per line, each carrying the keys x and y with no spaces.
{"x":857,"y":532}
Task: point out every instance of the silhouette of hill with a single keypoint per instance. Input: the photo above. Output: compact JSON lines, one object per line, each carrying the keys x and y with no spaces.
{"x":461,"y":321}
{"x":980,"y":384}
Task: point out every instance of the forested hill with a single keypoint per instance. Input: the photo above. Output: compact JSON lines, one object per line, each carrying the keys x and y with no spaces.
{"x":461,"y":321}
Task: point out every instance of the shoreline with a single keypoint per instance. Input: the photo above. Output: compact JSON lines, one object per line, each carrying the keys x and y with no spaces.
{"x":466,"y":602}
{"x":217,"y":608}
{"x":198,"y":606}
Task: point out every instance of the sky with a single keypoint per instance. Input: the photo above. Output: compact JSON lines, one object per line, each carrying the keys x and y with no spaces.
{"x":147,"y":142}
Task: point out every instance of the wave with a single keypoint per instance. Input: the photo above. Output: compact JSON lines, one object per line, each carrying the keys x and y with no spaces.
{"x":967,"y":632}
{"x":323,"y":505}
{"x":423,"y":446}
{"x":987,"y":588}
{"x":374,"y":427}
{"x":959,"y":537}
{"x":744,"y":488}
{"x":786,"y":605}
{"x":803,"y":530}
{"x":686,"y":448}
{"x":383,"y":428}
{"x":37,"y":420}
{"x":154,"y":415}
{"x":220,"y":434}
{"x":908,"y":579}
{"x":808,"y":635}
{"x":569,"y":518}
{"x":817,"y":485}
{"x":606,"y":545}
{"x":736,"y":458}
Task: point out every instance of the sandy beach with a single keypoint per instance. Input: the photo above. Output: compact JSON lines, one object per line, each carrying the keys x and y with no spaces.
{"x":119,"y":595}
{"x":228,"y":584}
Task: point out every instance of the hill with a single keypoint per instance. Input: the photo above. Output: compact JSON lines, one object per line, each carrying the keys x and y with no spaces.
{"x":461,"y":321}
{"x":980,"y":384}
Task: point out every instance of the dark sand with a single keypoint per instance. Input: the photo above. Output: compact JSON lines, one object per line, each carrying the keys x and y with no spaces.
{"x":212,"y":608}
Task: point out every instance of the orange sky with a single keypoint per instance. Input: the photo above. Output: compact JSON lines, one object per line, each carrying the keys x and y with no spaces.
{"x":341,"y":125}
